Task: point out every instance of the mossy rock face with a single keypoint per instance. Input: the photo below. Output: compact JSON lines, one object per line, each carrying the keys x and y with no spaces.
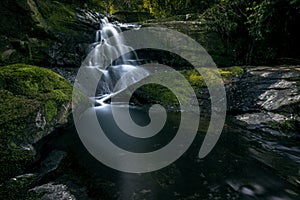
{"x":45,"y":32}
{"x":155,"y":93}
{"x":33,"y":101}
{"x":16,"y":188}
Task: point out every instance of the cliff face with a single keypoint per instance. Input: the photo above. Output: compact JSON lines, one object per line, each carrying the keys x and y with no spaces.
{"x":49,"y":33}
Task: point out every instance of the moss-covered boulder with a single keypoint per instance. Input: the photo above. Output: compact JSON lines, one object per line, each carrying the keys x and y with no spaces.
{"x":33,"y":101}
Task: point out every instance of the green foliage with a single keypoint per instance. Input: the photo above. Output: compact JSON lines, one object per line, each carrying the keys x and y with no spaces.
{"x":226,"y":17}
{"x":159,"y":94}
{"x":252,"y":32}
{"x":258,"y":31}
{"x":197,"y":80}
{"x":272,"y":24}
{"x":158,"y":8}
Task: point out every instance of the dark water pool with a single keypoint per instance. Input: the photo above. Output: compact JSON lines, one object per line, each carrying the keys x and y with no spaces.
{"x":243,"y":165}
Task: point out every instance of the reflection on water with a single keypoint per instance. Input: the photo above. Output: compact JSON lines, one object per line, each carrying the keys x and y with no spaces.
{"x":243,"y":164}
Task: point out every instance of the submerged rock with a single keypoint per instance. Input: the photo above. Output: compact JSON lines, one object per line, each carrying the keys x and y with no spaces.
{"x":52,"y":161}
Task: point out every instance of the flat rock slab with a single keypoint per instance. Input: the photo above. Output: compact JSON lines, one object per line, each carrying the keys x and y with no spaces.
{"x":267,"y":88}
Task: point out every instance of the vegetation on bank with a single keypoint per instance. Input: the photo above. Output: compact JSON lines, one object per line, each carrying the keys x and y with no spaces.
{"x":31,"y":98}
{"x":155,"y":93}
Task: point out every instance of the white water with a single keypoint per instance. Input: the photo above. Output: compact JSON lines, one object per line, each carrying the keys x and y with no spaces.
{"x":108,"y":45}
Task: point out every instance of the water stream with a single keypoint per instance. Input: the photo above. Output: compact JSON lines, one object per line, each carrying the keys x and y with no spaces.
{"x":243,"y":165}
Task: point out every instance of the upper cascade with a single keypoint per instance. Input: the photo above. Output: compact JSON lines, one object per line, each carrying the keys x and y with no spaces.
{"x":109,"y":46}
{"x":112,"y":58}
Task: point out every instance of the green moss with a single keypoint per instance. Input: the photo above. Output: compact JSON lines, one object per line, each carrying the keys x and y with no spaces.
{"x":50,"y":109}
{"x":158,"y":94}
{"x":12,"y":161}
{"x":17,"y":188}
{"x":235,"y":70}
{"x":155,"y":93}
{"x":24,"y":91}
{"x":196,"y":80}
{"x":15,"y":112}
{"x":34,"y":82}
{"x":57,"y":15}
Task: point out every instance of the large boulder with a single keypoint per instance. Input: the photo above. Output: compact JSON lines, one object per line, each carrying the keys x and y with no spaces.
{"x":34,"y":101}
{"x":267,"y":99}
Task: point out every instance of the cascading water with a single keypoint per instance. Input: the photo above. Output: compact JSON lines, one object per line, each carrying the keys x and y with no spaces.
{"x":108,"y":45}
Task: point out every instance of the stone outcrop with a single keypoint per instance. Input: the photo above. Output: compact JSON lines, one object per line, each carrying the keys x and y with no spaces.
{"x":267,"y":99}
{"x":34,"y":101}
{"x":47,"y":33}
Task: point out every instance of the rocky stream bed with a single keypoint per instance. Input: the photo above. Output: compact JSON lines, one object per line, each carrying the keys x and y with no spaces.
{"x":257,"y":156}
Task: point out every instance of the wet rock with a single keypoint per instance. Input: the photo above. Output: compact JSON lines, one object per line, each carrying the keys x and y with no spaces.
{"x":167,"y":177}
{"x":260,"y":118}
{"x":88,"y":17}
{"x":267,"y":100}
{"x":52,"y":161}
{"x":68,"y":73}
{"x":132,"y":16}
{"x":265,"y":88}
{"x":52,"y":191}
{"x":274,"y":99}
{"x":198,"y":30}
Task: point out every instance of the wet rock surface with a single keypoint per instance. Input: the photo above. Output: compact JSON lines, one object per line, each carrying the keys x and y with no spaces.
{"x":268,"y":88}
{"x":51,"y":191}
{"x":51,"y":162}
{"x":266,"y":94}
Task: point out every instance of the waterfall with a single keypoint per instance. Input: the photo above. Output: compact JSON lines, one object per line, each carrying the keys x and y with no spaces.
{"x":108,"y":45}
